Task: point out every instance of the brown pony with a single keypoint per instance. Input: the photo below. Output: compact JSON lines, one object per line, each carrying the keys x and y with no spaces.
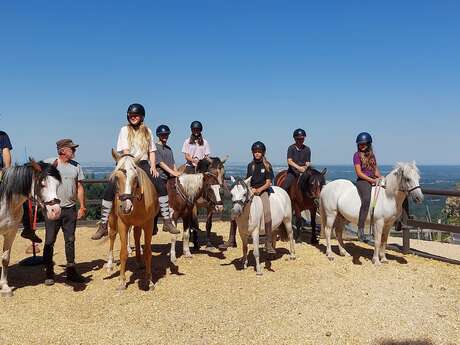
{"x":215,"y":166}
{"x":304,"y":193}
{"x":135,"y":204}
{"x":183,"y":192}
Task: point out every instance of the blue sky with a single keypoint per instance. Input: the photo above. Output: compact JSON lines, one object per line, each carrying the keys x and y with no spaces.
{"x":249,"y":70}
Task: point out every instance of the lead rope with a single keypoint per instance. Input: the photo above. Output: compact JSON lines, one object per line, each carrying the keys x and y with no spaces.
{"x":374,"y":203}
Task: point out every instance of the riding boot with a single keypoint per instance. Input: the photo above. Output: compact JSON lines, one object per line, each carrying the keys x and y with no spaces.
{"x":102,"y":230}
{"x":269,"y":238}
{"x":73,"y":275}
{"x":49,"y":275}
{"x":28,"y":232}
{"x":231,"y":242}
{"x":168,"y":226}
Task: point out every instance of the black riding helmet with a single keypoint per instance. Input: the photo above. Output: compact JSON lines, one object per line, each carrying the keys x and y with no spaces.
{"x":258,"y":145}
{"x":196,"y":125}
{"x":299,"y":132}
{"x":364,"y":138}
{"x":162,"y":129}
{"x":137,"y":109}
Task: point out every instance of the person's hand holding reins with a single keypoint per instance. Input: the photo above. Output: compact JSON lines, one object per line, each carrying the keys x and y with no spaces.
{"x":154,"y":172}
{"x":255,"y":191}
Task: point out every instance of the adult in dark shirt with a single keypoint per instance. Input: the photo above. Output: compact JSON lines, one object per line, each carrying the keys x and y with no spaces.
{"x":261,"y":172}
{"x":5,"y":162}
{"x":298,"y":158}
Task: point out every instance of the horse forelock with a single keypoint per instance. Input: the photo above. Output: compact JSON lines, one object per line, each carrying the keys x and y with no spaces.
{"x":191,"y":183}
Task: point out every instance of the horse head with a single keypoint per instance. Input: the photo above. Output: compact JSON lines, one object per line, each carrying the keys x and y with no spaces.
{"x":311,"y":182}
{"x":241,"y":195}
{"x":213,"y":165}
{"x":126,"y":176}
{"x":211,"y":191}
{"x":46,"y":180}
{"x":405,"y":178}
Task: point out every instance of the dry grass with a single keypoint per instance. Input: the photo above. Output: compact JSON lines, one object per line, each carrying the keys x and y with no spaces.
{"x":210,"y":300}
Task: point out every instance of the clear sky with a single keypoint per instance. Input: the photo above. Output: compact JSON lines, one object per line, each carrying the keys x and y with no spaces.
{"x":249,"y":70}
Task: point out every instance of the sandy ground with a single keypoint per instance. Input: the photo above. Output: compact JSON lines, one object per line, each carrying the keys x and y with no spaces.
{"x":209,"y":299}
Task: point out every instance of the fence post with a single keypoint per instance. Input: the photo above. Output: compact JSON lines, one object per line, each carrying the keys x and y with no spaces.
{"x":405,"y":228}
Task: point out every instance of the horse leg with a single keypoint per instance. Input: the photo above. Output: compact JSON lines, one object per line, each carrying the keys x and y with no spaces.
{"x":6,"y":291}
{"x":244,"y":259}
{"x":314,"y":238}
{"x":128,"y":242}
{"x":148,"y":230}
{"x":137,"y":244}
{"x":194,"y":227}
{"x":288,"y":225}
{"x":123,"y":231}
{"x":112,"y":236}
{"x":328,"y":223}
{"x":186,"y":238}
{"x":256,"y":251}
{"x":339,"y":226}
{"x":383,"y":245}
{"x":208,"y":229}
{"x":378,"y":227}
{"x":298,"y":222}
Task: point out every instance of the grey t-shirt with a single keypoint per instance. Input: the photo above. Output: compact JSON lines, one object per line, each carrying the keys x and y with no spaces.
{"x":71,"y":173}
{"x":164,"y":154}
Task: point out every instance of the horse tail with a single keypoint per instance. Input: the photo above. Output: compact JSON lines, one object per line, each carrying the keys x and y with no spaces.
{"x":282,"y":232}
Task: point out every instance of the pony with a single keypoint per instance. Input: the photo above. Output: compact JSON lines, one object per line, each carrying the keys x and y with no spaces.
{"x":340,"y":204}
{"x":38,"y":181}
{"x":135,"y":204}
{"x":248,"y":212}
{"x":304,"y":194}
{"x":183,"y":192}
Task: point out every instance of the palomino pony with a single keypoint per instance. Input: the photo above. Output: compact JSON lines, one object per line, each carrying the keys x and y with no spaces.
{"x":183,"y":193}
{"x":304,"y":193}
{"x":215,"y":166}
{"x":135,"y":204}
{"x":39,"y":181}
{"x":340,"y":204}
{"x":248,"y":212}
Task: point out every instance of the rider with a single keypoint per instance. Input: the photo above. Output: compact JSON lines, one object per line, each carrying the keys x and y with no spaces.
{"x":298,"y":158}
{"x":195,"y":148}
{"x":261,"y":172}
{"x":5,"y":162}
{"x":136,"y":138}
{"x":164,"y":156}
{"x":368,"y":175}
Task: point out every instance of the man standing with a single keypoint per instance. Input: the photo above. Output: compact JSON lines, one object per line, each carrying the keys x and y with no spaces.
{"x":70,"y":190}
{"x":5,"y":162}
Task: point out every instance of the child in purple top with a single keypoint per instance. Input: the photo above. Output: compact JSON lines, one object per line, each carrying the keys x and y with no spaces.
{"x":368,"y":175}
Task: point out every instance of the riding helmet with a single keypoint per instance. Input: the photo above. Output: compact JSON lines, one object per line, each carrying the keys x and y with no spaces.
{"x":196,"y":125}
{"x":364,"y":138}
{"x":163,"y":129}
{"x":258,"y":145}
{"x":136,"y":108}
{"x":299,"y":132}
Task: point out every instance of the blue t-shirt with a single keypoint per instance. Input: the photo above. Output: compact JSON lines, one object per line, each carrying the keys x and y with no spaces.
{"x":5,"y":143}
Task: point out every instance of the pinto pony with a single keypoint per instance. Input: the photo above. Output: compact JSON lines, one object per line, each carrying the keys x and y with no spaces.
{"x":135,"y":204}
{"x":38,"y":181}
{"x":304,"y":193}
{"x":340,"y":204}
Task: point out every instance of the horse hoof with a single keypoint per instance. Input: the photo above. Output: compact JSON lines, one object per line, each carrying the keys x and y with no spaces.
{"x":292,"y":257}
{"x":384,"y":261}
{"x":6,"y":293}
{"x":188,"y":255}
{"x":376,"y":262}
{"x":141,"y":267}
{"x":151,"y":287}
{"x":259,"y":274}
{"x":330,"y":257}
{"x":122,"y":287}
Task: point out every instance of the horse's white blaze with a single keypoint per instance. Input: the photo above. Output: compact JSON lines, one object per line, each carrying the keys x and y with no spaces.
{"x":340,"y":197}
{"x":216,"y":190}
{"x":48,"y":193}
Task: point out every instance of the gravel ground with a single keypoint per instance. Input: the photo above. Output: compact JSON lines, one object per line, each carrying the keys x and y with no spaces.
{"x":209,"y":300}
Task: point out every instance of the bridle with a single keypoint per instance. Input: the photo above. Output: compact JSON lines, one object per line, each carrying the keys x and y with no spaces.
{"x":126,"y":196}
{"x":36,"y":194}
{"x":247,"y":195}
{"x":207,"y":191}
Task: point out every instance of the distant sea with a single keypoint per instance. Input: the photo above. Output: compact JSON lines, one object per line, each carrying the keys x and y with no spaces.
{"x":432,"y":176}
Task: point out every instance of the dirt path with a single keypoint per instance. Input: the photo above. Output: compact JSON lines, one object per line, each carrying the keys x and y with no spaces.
{"x":210,"y":300}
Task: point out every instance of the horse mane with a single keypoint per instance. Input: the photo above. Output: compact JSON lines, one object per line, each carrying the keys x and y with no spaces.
{"x":17,"y":180}
{"x":192,"y":184}
{"x":209,"y":163}
{"x":305,"y":178}
{"x":393,"y":179}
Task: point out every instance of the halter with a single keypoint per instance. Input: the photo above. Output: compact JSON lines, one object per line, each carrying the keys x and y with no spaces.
{"x":126,"y":196}
{"x":248,"y":198}
{"x":205,"y":192}
{"x":36,"y":195}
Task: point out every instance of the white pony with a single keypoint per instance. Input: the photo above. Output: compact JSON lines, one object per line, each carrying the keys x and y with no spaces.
{"x":340,"y":204}
{"x":37,"y":180}
{"x":248,"y":212}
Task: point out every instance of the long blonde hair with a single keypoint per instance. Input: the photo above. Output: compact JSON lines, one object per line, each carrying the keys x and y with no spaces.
{"x":368,"y":158}
{"x":139,"y":135}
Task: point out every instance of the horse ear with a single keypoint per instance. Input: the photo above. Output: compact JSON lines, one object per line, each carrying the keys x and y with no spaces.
{"x":324,"y":171}
{"x":223,"y":160}
{"x":35,"y":166}
{"x":232,"y":179}
{"x":115,"y":155}
{"x":248,"y":181}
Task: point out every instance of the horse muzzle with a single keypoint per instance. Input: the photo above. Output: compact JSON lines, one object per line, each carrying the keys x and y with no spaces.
{"x":126,"y":206}
{"x":237,"y":209}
